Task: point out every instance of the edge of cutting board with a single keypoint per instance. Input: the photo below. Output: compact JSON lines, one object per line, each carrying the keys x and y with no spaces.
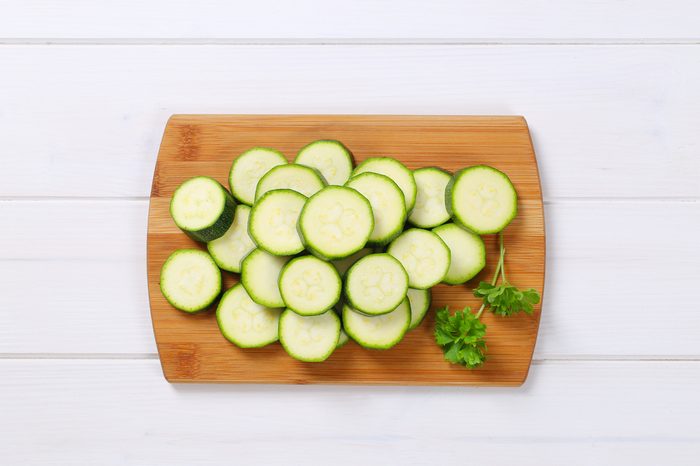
{"x":191,"y":348}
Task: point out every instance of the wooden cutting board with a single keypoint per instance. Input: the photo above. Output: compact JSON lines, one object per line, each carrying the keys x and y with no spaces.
{"x":191,"y":347}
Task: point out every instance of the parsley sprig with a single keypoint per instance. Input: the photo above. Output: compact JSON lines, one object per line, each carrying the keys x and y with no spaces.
{"x":462,"y":335}
{"x":505,"y":299}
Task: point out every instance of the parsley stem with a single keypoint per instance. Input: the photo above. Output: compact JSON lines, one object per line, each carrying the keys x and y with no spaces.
{"x":500,"y":268}
{"x":502,"y":260}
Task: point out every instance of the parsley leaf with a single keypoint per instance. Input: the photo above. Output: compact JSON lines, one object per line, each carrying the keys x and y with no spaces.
{"x":461,"y":337}
{"x":505,"y":299}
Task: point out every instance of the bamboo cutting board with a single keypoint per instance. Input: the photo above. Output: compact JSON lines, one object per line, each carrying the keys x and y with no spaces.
{"x":192,"y":349}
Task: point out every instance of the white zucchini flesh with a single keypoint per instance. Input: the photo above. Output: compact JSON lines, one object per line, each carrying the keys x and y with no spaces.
{"x":273,"y":222}
{"x":342,"y":265}
{"x":202,"y":208}
{"x":377,"y":332}
{"x":329,"y":157}
{"x":467,"y":253}
{"x":309,"y":338}
{"x":260,"y":273}
{"x":424,"y":255}
{"x":244,"y":322}
{"x":309,"y":286}
{"x":248,"y":168}
{"x":190,"y":280}
{"x":376,"y":284}
{"x":336,"y":222}
{"x":387,"y":203}
{"x":394,"y":170}
{"x":229,"y":251}
{"x":299,"y":178}
{"x":342,"y":339}
{"x":482,"y":199}
{"x":430,"y":210}
{"x":419,"y":301}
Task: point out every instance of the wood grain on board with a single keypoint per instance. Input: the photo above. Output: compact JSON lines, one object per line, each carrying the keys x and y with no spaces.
{"x":192,"y":349}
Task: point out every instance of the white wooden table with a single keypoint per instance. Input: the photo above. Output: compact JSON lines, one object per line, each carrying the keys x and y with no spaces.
{"x":611,"y":90}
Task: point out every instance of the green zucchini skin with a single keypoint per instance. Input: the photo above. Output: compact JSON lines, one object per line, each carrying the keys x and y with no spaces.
{"x":422,"y":312}
{"x":345,"y":154}
{"x":304,"y":235}
{"x":221,"y":224}
{"x":454,"y":211}
{"x":459,"y":239}
{"x":403,"y":308}
{"x":204,"y":306}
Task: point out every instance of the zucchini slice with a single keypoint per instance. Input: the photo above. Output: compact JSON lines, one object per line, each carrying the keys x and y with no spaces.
{"x":247,"y":170}
{"x":260,"y":274}
{"x":481,"y":199}
{"x":273,"y":222}
{"x":336,"y":222}
{"x":377,"y":332}
{"x":396,"y":171}
{"x":430,"y":210}
{"x":229,"y":251}
{"x":329,"y":157}
{"x":467,"y":253}
{"x":376,"y":284}
{"x":202,"y":208}
{"x":342,"y":339}
{"x":190,"y":280}
{"x":424,"y":255}
{"x":309,"y":286}
{"x":420,"y":303}
{"x":299,"y":178}
{"x":387,"y":203}
{"x":244,"y":322}
{"x":309,"y":338}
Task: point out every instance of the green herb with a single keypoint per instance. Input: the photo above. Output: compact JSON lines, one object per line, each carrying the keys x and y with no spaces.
{"x":505,"y":299}
{"x":461,"y":337}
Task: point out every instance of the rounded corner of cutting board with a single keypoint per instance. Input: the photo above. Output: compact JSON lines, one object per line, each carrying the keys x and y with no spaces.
{"x":191,"y":348}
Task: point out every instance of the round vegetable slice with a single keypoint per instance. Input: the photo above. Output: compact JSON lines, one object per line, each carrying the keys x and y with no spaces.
{"x":273,"y":222}
{"x":395,"y":170}
{"x":481,"y":199}
{"x":467,"y":253}
{"x":202,"y":208}
{"x":247,"y":170}
{"x":229,"y":251}
{"x":430,"y":210}
{"x":336,"y":222}
{"x":244,"y":322}
{"x":299,"y":178}
{"x":420,"y":303}
{"x":424,"y":255}
{"x":329,"y":157}
{"x":377,"y":332}
{"x":376,"y":284}
{"x":309,"y":338}
{"x":387,"y":203}
{"x":260,"y":274}
{"x":309,"y":286}
{"x":190,"y":280}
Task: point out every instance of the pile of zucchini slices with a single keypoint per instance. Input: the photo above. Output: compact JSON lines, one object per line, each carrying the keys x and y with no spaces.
{"x":328,"y":251}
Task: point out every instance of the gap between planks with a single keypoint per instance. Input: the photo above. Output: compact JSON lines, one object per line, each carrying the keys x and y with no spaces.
{"x":535,"y":360}
{"x":339,"y":42}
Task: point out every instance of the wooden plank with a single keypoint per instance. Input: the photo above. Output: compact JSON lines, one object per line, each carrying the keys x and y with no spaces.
{"x":613,"y":121}
{"x":578,"y":413}
{"x":192,"y":349}
{"x":59,"y":293}
{"x":361,"y":19}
